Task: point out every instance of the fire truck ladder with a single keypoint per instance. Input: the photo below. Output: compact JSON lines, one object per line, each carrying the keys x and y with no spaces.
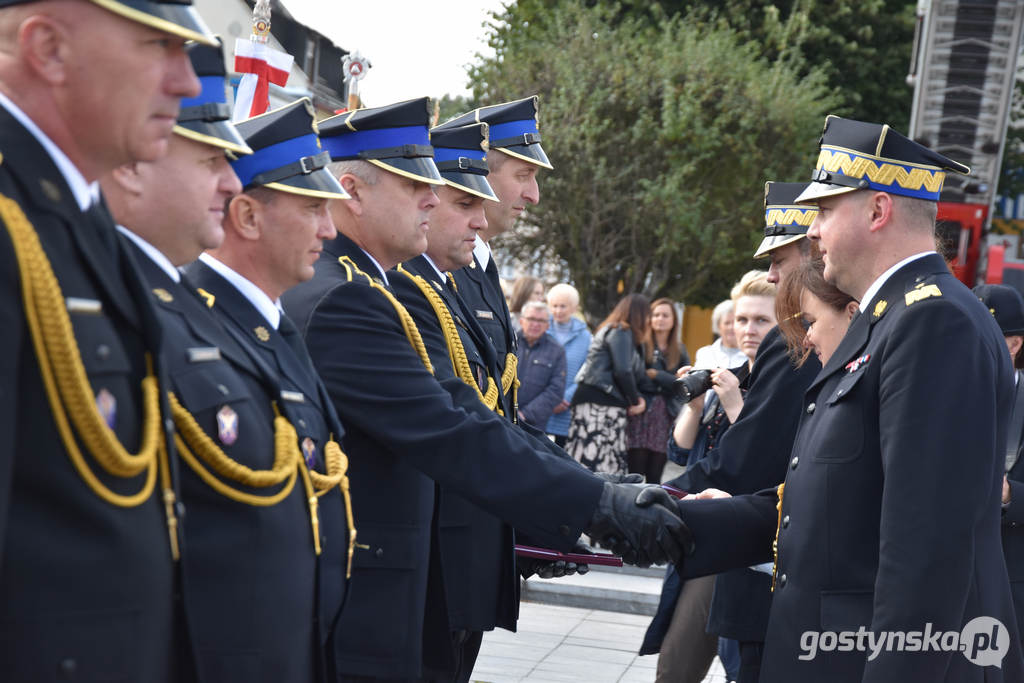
{"x":963,"y":73}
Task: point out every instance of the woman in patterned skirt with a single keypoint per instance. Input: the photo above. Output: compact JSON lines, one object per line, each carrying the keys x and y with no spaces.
{"x":607,"y":388}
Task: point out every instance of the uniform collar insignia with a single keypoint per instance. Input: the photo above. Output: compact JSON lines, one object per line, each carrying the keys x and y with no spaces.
{"x":879,"y":308}
{"x":163,"y":295}
{"x":210,"y":298}
{"x":261,"y":333}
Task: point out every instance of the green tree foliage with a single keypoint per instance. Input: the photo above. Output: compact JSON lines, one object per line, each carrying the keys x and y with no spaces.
{"x":862,"y":46}
{"x":662,"y":138}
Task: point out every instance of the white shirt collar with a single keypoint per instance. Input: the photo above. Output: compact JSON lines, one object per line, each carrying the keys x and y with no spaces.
{"x":376,"y":263}
{"x":865,"y":300}
{"x":269,"y":309}
{"x":85,"y":192}
{"x":153,"y":253}
{"x":482,"y":252}
{"x":440,"y":273}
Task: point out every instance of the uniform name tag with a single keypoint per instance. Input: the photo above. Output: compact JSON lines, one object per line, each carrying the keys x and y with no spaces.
{"x":293,"y":396}
{"x":486,"y":315}
{"x":203,"y":354}
{"x":76,"y":305}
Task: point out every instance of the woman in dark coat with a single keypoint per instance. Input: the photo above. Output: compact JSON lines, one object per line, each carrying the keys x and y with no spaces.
{"x":607,"y":388}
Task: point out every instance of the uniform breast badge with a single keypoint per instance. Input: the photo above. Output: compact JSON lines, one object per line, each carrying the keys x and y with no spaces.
{"x":227,"y":425}
{"x":309,"y":451}
{"x":106,"y":404}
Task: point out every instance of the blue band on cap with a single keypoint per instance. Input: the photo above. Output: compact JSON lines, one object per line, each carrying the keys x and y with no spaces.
{"x":449,"y":154}
{"x":500,"y":131}
{"x":349,"y":145}
{"x":274,"y":156}
{"x":213,"y":91}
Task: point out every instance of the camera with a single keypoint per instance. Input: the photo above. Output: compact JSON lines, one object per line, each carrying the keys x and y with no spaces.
{"x":692,"y":384}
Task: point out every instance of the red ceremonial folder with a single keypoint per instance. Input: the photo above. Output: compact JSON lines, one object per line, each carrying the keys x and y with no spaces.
{"x":674,"y":492}
{"x":606,"y":559}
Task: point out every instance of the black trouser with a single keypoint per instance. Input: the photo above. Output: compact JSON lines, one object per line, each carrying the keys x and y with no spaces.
{"x":750,"y":661}
{"x":646,"y":462}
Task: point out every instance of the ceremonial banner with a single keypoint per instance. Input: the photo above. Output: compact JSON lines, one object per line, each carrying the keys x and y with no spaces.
{"x":260,"y":66}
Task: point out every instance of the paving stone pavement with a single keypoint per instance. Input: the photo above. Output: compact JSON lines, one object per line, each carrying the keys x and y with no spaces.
{"x":557,"y":644}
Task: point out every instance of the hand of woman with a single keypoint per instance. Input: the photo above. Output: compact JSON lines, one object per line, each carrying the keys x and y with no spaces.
{"x":683,"y":370}
{"x":710,"y":494}
{"x":727,"y":387}
{"x":638,"y":408}
{"x":561,"y":407}
{"x":651,"y":373}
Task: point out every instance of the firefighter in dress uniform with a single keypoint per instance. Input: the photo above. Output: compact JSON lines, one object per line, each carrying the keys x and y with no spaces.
{"x":412,"y":425}
{"x":87,"y":543}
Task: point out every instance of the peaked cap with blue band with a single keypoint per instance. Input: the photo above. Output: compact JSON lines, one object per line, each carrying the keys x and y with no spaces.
{"x":461,"y":156}
{"x":177,"y":17}
{"x":855,"y":155}
{"x":785,"y":221}
{"x":394,"y":137}
{"x":207,"y":117}
{"x":286,"y":153}
{"x":513,"y":128}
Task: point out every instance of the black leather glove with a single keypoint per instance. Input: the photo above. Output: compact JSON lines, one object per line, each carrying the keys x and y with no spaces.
{"x":547,"y":569}
{"x":643,"y":536}
{"x":634,"y":478}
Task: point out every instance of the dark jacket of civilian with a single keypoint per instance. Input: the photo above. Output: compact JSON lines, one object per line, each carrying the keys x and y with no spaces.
{"x":613,"y":367}
{"x":541,"y":378}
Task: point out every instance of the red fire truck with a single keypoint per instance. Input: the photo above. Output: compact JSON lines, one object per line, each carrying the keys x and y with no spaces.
{"x":964,"y":73}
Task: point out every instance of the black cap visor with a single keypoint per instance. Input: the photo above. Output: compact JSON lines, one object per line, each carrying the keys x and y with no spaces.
{"x":214,"y":133}
{"x":416,"y":168}
{"x":533,"y":153}
{"x":177,"y":19}
{"x":473,"y":183}
{"x":320,"y":183}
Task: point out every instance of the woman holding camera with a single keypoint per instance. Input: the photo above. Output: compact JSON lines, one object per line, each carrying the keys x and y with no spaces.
{"x":678,"y":629}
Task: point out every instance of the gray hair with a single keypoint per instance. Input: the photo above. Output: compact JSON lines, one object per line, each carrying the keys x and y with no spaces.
{"x":723,"y":309}
{"x":535,"y":305}
{"x":360,"y":168}
{"x":565,"y":289}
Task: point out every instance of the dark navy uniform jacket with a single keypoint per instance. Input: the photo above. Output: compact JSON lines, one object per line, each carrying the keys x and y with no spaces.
{"x":890,"y":516}
{"x":477,"y":555}
{"x":481,"y":290}
{"x":405,"y":429}
{"x":249,"y":572}
{"x":86,"y":587}
{"x":752,"y":455}
{"x":1013,"y":534}
{"x":303,"y":399}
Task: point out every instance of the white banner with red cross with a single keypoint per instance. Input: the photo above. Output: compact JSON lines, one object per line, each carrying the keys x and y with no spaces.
{"x":260,"y":66}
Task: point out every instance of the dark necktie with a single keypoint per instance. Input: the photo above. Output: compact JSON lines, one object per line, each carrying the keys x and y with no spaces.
{"x":293,"y":338}
{"x":99,"y":220}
